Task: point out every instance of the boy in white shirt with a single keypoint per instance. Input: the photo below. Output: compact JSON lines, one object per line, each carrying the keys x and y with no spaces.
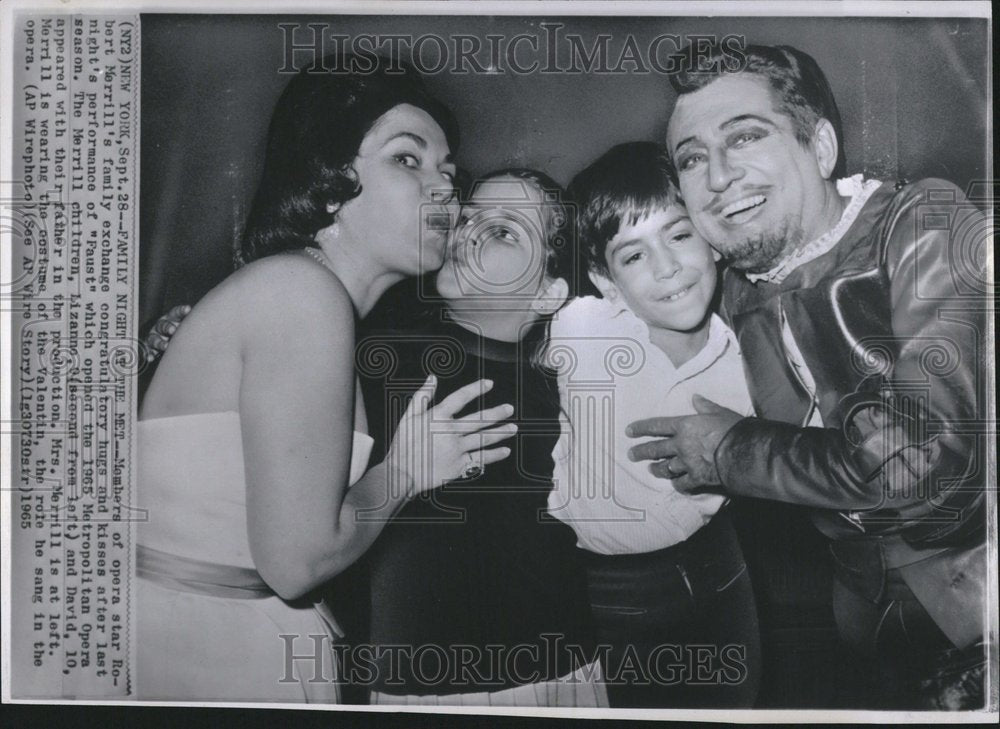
{"x":669,"y":589}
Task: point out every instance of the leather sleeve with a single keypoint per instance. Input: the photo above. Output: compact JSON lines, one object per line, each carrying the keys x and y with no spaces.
{"x":907,"y":449}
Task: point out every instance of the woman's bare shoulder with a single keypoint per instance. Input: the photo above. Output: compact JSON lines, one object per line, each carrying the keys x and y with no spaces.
{"x":285,"y":310}
{"x":287,"y":289}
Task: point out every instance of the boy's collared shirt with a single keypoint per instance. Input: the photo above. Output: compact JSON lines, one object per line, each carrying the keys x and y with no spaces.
{"x":610,"y":374}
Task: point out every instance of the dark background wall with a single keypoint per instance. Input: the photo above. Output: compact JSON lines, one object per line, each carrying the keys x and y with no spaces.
{"x":912,"y":93}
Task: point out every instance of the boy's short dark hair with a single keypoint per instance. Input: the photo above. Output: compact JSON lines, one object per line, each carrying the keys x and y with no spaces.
{"x":624,"y":185}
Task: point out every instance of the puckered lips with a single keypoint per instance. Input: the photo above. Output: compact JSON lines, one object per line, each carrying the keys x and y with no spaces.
{"x":438,"y":220}
{"x":436,"y":228}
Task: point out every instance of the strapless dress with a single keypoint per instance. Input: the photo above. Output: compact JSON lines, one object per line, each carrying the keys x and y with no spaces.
{"x":207,"y":628}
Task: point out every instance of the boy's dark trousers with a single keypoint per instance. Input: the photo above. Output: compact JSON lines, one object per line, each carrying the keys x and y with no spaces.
{"x":678,"y":627}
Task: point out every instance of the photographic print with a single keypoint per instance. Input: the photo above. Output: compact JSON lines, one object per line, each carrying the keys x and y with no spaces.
{"x":546,"y":359}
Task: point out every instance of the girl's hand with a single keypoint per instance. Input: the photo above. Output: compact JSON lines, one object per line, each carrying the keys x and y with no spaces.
{"x":432,"y":447}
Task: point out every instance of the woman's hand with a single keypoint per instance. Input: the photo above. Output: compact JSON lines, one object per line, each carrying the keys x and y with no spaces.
{"x":432,"y":447}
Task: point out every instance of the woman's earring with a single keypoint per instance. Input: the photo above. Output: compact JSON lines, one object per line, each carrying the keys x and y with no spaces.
{"x":334,"y":227}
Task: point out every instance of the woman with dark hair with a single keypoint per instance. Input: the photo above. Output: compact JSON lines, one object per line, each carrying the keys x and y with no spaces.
{"x":252,"y":429}
{"x":477,"y":585}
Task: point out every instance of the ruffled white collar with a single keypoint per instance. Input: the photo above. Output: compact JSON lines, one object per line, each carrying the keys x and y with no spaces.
{"x":859,"y":190}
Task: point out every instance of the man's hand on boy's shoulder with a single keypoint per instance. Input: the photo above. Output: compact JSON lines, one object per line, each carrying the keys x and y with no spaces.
{"x":158,"y":339}
{"x":685,"y":452}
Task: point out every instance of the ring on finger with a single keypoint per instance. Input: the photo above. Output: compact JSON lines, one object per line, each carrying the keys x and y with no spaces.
{"x":473,"y":468}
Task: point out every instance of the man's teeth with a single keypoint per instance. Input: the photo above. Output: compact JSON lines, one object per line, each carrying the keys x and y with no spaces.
{"x":679,"y":294}
{"x":742,"y":205}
